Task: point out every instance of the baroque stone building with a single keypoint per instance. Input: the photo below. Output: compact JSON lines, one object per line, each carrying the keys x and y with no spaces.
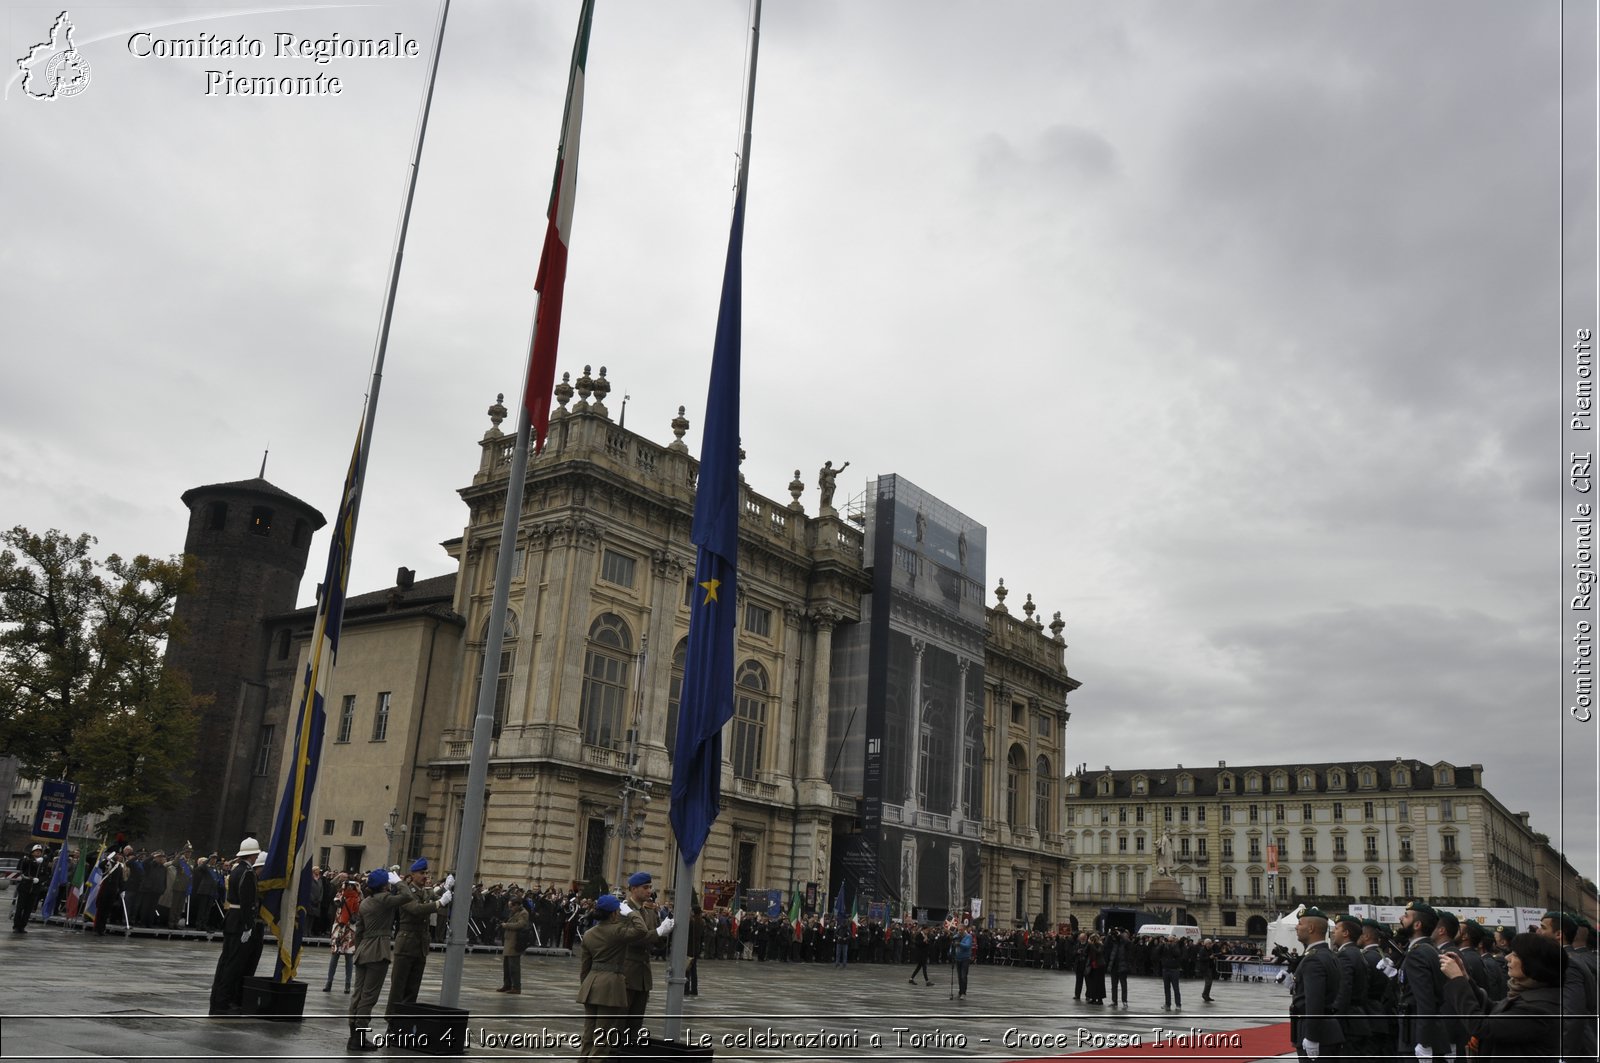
{"x":587,"y":689}
{"x":1248,"y":843}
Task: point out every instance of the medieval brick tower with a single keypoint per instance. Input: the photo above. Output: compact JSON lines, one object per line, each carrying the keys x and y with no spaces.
{"x":251,"y":540}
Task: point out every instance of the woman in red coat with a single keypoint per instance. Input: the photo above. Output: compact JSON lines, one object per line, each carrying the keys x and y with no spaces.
{"x":342,"y":939}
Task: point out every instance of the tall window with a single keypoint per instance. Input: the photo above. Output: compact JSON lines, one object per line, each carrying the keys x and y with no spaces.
{"x":1341,"y":885}
{"x":1227,"y":887}
{"x":1372,"y":885}
{"x":1016,"y":768}
{"x":261,"y":521}
{"x":758,"y":620}
{"x":347,"y":717}
{"x":1408,"y":886}
{"x":1227,"y":848}
{"x":264,"y":750}
{"x":1311,"y":885}
{"x":603,"y":703}
{"x":749,"y":719}
{"x":1372,"y":846}
{"x":380,"y":718}
{"x":1042,"y":789}
{"x":972,"y":778}
{"x":594,"y":848}
{"x":502,"y":687}
{"x":675,"y":694}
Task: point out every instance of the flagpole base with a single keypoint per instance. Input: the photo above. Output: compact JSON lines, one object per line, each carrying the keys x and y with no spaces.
{"x":431,"y":1029}
{"x":265,"y":998}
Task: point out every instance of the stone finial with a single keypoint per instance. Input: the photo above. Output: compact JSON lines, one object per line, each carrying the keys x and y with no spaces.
{"x":497,"y":413}
{"x":741,"y":464}
{"x":1000,"y":593}
{"x":797,"y":487}
{"x":585,"y":389}
{"x":680,"y":425}
{"x":564,"y":391}
{"x":602,"y":388}
{"x":1056,"y":626}
{"x":1028,"y":607}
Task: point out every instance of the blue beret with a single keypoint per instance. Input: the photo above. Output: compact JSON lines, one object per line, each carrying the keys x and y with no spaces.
{"x":420,"y":864}
{"x":607,"y":903}
{"x":639,"y":878}
{"x":378,"y":880}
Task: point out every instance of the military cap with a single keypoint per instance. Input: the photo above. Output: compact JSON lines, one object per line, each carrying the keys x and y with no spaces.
{"x":607,"y":902}
{"x":1347,"y":918}
{"x":419,"y":864}
{"x":639,"y":878}
{"x":1421,"y":906}
{"x":1374,"y":924}
{"x":1313,"y":913}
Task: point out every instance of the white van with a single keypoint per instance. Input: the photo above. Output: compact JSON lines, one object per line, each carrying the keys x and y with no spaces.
{"x":1167,"y":930}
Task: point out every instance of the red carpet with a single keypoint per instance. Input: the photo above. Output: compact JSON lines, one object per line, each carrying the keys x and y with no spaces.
{"x":1213,"y":1046}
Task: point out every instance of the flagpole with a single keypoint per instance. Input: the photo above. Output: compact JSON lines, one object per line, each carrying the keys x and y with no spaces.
{"x":683,"y":882}
{"x":540,"y":362}
{"x":299,"y":839}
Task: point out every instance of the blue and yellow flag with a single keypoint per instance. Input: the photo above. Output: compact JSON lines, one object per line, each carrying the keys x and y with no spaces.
{"x":289,"y":852}
{"x":707,"y":702}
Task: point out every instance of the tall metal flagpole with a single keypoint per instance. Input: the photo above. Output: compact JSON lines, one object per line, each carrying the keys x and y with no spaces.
{"x":476,"y":796}
{"x":291,"y":890}
{"x":683,"y":880}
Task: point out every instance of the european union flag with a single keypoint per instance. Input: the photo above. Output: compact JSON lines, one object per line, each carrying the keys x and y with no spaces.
{"x":707,"y":702}
{"x":289,"y":852}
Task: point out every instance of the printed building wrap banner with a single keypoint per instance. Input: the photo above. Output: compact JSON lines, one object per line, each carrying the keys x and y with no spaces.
{"x":54,"y":814}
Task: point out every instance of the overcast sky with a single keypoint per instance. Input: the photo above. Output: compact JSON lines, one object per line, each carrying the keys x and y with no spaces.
{"x":1232,"y":321}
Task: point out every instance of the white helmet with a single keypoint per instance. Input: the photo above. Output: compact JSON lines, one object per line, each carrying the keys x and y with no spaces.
{"x":249,"y":847}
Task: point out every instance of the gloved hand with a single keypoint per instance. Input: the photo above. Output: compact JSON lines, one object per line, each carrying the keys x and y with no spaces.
{"x":664,"y":927}
{"x":625,"y":908}
{"x":244,"y":936}
{"x":1312,"y":1048}
{"x":1424,"y":1053}
{"x":444,"y":898}
{"x":394,"y":879}
{"x":450,"y":881}
{"x":1386,"y":965}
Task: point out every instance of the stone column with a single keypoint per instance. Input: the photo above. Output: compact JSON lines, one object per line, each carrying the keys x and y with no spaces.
{"x":957,"y":811}
{"x":914,"y":752}
{"x":666,"y":591}
{"x":821,"y":677}
{"x":575,"y":568}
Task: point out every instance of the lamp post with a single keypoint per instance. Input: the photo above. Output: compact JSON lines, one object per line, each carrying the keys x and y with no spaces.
{"x":621,"y":826}
{"x":391,"y":827}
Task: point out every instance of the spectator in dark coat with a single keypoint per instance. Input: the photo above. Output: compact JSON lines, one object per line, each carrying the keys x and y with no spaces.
{"x":1527,"y":1024}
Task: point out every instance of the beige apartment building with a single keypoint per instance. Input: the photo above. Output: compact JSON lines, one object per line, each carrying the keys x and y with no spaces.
{"x":1246,"y":844}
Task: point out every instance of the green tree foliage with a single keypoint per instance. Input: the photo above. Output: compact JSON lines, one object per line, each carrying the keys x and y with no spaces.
{"x":83,"y":693}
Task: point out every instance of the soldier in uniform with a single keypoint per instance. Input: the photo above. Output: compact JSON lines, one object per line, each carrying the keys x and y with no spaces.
{"x":1422,"y":1033}
{"x":516,"y":922}
{"x":1383,"y":1032}
{"x":1352,"y":1005}
{"x":636,"y":961}
{"x":602,"y":980}
{"x":31,"y":879}
{"x":374,"y":926}
{"x":412,"y":938}
{"x":241,"y":939}
{"x":1314,"y":1028}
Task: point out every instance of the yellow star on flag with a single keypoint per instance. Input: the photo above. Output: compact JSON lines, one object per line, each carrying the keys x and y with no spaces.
{"x":711,"y":586}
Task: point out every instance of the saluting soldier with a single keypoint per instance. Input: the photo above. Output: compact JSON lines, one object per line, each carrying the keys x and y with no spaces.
{"x":412,"y":938}
{"x":239,"y":952}
{"x":641,"y":901}
{"x":374,"y":927}
{"x":602,"y":980}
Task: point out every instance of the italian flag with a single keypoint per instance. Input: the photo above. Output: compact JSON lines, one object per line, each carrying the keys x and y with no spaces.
{"x":794,"y":914}
{"x":552,"y":278}
{"x":855,"y":919}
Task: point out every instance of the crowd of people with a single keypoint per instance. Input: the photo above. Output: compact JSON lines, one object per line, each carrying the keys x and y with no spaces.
{"x":1441,"y":987}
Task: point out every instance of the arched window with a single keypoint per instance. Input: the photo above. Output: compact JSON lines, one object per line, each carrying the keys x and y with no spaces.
{"x":603,"y":704}
{"x":675,"y":695}
{"x":749,"y":719}
{"x":1016,"y":768}
{"x":972,"y":777}
{"x":1043,"y":790}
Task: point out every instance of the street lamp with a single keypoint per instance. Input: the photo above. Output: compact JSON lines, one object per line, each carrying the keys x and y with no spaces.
{"x":621,"y":825}
{"x":391,"y":827}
